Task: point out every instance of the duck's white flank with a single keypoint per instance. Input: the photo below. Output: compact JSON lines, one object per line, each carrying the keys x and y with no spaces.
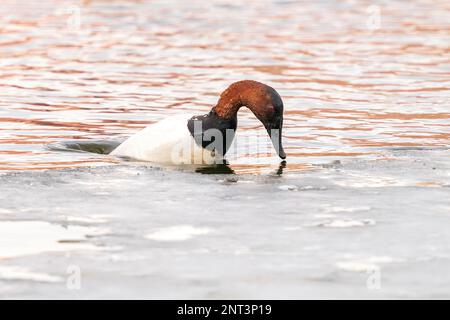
{"x":168,"y":141}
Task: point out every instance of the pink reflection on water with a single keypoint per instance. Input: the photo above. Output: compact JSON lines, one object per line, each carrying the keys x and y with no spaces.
{"x":348,"y":90}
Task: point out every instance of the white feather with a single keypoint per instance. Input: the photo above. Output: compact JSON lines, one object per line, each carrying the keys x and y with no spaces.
{"x":168,"y":141}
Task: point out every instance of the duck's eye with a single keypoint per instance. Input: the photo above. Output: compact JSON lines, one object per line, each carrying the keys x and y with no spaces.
{"x":270,"y":109}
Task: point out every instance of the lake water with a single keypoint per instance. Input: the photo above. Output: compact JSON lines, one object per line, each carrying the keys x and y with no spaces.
{"x":359,"y":209}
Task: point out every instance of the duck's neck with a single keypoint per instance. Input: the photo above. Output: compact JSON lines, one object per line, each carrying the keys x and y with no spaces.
{"x":228,"y":107}
{"x":223,"y":116}
{"x":213,"y":132}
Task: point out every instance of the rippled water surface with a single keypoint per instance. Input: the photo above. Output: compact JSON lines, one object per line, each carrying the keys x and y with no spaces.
{"x":365,"y":86}
{"x":101,"y":70}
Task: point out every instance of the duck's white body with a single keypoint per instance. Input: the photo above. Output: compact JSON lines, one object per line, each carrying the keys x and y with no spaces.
{"x":168,"y":141}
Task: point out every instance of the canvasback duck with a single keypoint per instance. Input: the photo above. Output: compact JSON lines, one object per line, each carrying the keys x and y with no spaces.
{"x":205,"y":139}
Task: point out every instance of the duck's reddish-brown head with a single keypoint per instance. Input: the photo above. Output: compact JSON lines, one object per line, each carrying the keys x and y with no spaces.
{"x":262,"y":100}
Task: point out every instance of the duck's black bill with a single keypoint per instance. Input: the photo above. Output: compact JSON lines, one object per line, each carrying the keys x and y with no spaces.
{"x":275,"y":135}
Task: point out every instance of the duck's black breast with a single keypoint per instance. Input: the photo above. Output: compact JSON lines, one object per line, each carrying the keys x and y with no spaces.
{"x":212,"y":132}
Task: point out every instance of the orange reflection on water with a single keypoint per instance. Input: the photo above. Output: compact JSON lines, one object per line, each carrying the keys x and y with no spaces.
{"x":348,"y":90}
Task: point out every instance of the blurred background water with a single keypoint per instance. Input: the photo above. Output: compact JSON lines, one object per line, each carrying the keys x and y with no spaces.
{"x":366,"y":91}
